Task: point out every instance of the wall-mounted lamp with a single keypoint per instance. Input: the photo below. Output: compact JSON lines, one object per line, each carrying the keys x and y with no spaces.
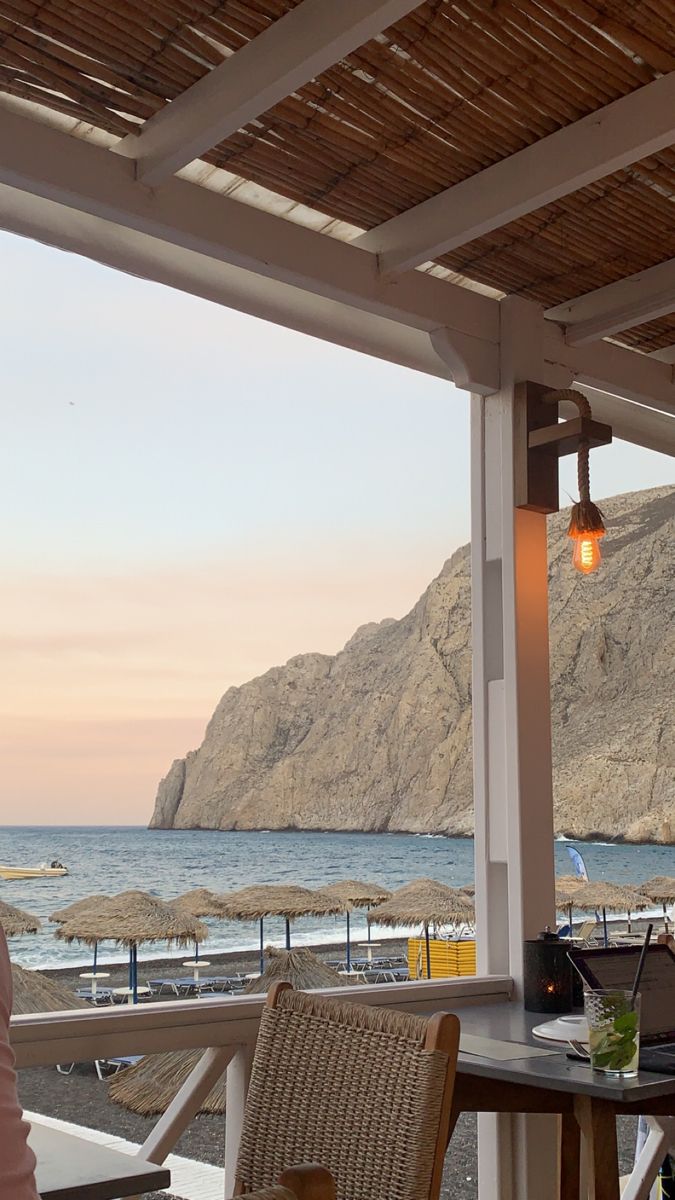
{"x":540,"y":441}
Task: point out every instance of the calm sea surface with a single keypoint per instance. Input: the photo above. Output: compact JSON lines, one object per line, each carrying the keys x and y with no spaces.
{"x":166,"y":863}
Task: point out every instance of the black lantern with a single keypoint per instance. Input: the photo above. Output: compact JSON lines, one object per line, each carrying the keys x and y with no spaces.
{"x":547,"y":972}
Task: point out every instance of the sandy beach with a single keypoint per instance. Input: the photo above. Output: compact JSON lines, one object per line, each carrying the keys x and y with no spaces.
{"x":83,"y":1099}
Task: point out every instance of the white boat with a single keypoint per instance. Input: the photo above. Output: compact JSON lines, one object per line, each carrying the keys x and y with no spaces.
{"x":44,"y":870}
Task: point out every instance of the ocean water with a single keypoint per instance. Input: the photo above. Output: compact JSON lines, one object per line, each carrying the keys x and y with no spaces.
{"x":168,"y":862}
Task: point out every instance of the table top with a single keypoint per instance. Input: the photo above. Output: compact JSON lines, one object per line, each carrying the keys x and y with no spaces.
{"x":94,"y":975}
{"x":508,"y":1022}
{"x":141,"y":990}
{"x":71,"y":1168}
{"x":365,"y":945}
{"x":197,"y":962}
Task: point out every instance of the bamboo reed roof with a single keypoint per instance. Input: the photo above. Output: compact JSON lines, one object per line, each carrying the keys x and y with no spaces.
{"x":15,"y":921}
{"x":131,"y":918}
{"x":447,"y":91}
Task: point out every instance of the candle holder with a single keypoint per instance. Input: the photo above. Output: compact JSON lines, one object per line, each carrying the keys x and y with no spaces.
{"x":547,"y":975}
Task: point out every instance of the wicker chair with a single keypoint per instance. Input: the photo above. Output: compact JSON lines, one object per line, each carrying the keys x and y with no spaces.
{"x":363,"y":1091}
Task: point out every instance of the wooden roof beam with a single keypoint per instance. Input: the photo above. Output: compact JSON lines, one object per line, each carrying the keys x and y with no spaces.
{"x":288,"y":54}
{"x":630,"y":422}
{"x":623,"y":132}
{"x":632,"y":301}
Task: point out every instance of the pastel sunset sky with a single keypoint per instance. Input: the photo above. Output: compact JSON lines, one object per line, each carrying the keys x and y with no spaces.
{"x":191,"y":496}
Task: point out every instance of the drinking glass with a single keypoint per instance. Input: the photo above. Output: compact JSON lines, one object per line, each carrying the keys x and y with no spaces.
{"x":613,"y":1031}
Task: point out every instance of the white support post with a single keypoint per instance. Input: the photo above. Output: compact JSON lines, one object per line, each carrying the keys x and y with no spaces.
{"x":512,"y":738}
{"x":185,"y":1104}
{"x":238,"y":1075}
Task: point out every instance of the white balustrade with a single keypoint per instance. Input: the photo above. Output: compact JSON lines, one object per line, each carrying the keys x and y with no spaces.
{"x":225,"y":1027}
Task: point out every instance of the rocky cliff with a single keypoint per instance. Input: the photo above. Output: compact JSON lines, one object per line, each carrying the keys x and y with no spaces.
{"x":378,"y":737}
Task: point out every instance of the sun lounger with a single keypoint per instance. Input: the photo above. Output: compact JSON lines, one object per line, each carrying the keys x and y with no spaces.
{"x":102,"y":995}
{"x":113,"y":1065}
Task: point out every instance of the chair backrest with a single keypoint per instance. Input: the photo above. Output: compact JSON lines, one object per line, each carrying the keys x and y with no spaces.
{"x":587,"y":930}
{"x":363,"y":1091}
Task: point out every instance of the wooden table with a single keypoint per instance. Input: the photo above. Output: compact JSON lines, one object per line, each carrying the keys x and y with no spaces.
{"x":586,"y":1102}
{"x":71,"y":1168}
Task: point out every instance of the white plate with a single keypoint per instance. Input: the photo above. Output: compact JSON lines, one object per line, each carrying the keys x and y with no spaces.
{"x":563,"y":1029}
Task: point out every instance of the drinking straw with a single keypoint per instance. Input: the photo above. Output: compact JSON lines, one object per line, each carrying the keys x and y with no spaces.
{"x":641,"y":965}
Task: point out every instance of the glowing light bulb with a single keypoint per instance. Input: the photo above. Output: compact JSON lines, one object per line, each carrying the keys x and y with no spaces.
{"x":587,"y":556}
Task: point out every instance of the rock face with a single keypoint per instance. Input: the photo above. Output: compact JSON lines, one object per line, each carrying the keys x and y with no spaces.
{"x":378,"y":737}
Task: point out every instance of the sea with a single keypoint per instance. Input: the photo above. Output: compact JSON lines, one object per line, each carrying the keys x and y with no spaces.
{"x":110,"y":859}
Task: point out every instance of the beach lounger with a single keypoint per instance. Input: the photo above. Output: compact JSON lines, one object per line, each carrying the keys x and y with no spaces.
{"x":103,"y":995}
{"x":113,"y":1065}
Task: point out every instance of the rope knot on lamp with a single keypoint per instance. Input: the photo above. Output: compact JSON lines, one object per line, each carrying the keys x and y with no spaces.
{"x":586,"y":525}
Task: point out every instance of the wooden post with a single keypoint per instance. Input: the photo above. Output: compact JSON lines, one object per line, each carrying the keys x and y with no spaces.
{"x":513,"y":798}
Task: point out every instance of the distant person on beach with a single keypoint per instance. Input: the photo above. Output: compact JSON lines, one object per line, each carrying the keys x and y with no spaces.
{"x":17,"y":1161}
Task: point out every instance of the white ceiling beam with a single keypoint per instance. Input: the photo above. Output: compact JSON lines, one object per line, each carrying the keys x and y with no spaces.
{"x":149,"y":258}
{"x":90,"y":179}
{"x":630,"y":422}
{"x":626,"y":130}
{"x":638,"y":298}
{"x":615,"y":369}
{"x":288,"y":54}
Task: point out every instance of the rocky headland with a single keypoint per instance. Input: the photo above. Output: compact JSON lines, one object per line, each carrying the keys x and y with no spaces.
{"x":378,"y":736}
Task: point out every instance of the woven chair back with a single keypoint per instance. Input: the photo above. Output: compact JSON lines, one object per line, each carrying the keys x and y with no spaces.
{"x":354,"y":1088}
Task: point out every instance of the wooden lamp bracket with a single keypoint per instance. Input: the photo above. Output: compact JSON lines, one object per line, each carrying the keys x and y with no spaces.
{"x":540,"y":440}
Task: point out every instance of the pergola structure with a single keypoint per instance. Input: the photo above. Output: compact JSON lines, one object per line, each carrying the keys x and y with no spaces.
{"x":481,"y":190}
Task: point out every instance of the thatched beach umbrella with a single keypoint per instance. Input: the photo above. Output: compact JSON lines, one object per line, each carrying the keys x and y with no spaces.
{"x":15,"y":921}
{"x":262,"y":900}
{"x":354,"y":894}
{"x":151,"y":1084}
{"x":37,"y":993}
{"x":199,"y":902}
{"x":76,"y":909}
{"x":130,"y":919}
{"x":426,"y":902}
{"x":609,"y":897}
{"x":660,"y":890}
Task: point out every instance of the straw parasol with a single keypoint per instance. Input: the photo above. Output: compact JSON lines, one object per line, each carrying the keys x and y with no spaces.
{"x":199,"y":902}
{"x":129,"y":919}
{"x":37,"y":993}
{"x":15,"y":921}
{"x":150,"y":1085}
{"x":262,"y":900}
{"x":76,"y":909}
{"x":428,"y":902}
{"x":354,"y":894}
{"x":566,"y":888}
{"x":660,"y":890}
{"x":609,"y":897}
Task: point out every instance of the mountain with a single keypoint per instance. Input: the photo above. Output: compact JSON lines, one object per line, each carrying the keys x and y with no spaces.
{"x":378,"y":736}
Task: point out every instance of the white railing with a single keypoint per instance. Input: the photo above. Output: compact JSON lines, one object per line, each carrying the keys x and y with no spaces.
{"x":226,"y":1028}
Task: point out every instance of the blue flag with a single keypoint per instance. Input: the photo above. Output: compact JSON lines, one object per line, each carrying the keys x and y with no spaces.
{"x":577,"y":862}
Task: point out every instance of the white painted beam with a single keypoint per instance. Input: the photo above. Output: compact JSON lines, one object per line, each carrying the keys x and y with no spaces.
{"x":90,"y":179}
{"x":630,"y":422}
{"x":626,"y":130}
{"x":632,"y":301}
{"x":288,"y":54}
{"x":611,"y":368}
{"x":173,"y":266}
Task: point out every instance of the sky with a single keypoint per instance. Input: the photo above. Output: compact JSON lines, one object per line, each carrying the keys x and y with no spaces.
{"x":190,"y":497}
